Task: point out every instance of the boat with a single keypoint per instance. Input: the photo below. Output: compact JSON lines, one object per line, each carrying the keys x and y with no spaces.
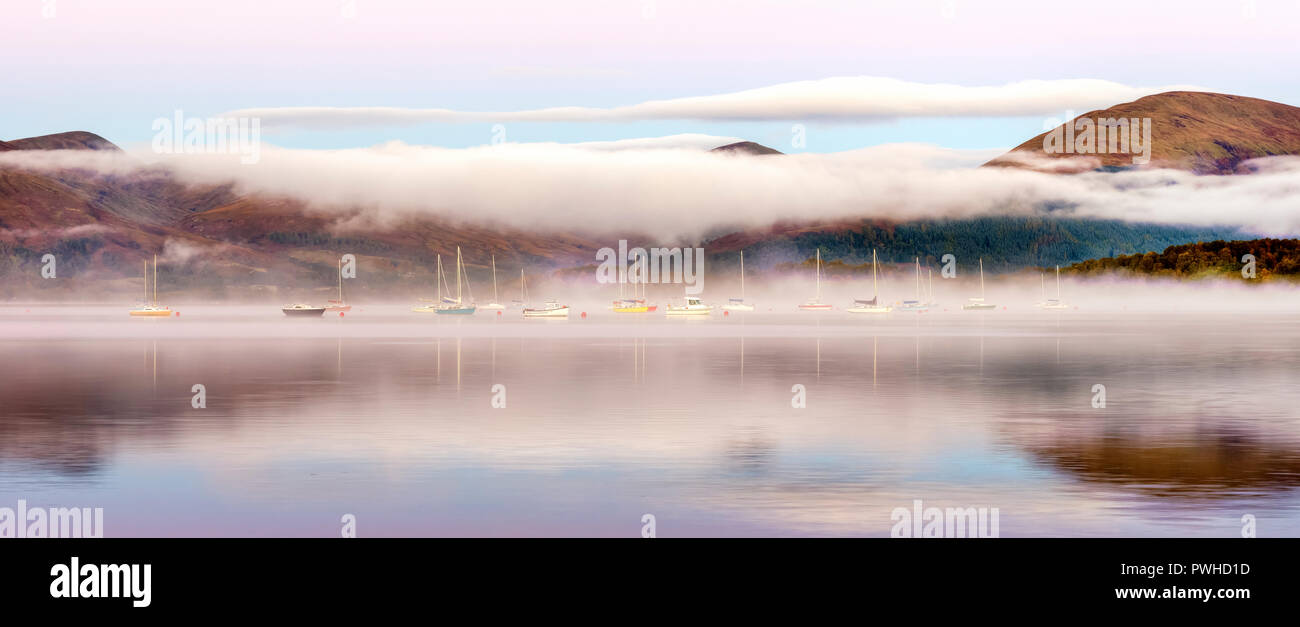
{"x":1055,"y":303}
{"x":630,"y":305}
{"x":930,"y":302}
{"x":150,"y":308}
{"x":495,"y":305}
{"x":551,"y":309}
{"x":978,"y":304}
{"x":636,"y":304}
{"x":916,"y":304}
{"x":457,"y":307}
{"x":339,"y":304}
{"x":446,"y":305}
{"x":739,"y":304}
{"x":873,"y":306}
{"x":694,"y":307}
{"x":302,"y":310}
{"x":433,"y":308}
{"x":816,"y":303}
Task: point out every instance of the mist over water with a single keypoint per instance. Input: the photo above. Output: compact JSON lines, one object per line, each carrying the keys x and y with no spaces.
{"x":387,"y":414}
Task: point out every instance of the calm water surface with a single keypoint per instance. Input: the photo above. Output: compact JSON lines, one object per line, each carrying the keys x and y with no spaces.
{"x":388,"y":415}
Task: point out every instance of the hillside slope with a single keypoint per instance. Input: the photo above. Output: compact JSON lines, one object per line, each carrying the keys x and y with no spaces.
{"x":1201,"y":132}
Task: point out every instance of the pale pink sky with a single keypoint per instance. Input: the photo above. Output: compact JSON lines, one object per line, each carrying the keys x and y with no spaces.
{"x":97,"y":64}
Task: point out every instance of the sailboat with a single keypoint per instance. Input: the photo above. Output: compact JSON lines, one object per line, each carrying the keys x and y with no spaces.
{"x":978,"y":303}
{"x":636,"y":304}
{"x":339,"y":304}
{"x":150,"y":308}
{"x":916,"y":304}
{"x":872,"y":306}
{"x":929,"y":299}
{"x":1055,"y":303}
{"x":694,"y":307}
{"x":551,"y":309}
{"x":447,"y":306}
{"x":816,"y":303}
{"x":434,"y":307}
{"x":739,"y":304}
{"x":495,"y":304}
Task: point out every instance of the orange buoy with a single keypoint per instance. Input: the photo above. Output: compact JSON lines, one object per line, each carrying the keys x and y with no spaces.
{"x":498,"y":313}
{"x":726,"y":313}
{"x":584,"y":315}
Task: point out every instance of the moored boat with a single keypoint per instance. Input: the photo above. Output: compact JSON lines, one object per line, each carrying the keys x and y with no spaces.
{"x":873,"y":306}
{"x":151,"y":308}
{"x":739,"y":304}
{"x":338,"y":304}
{"x":816,"y":303}
{"x":495,"y":305}
{"x":694,"y":307}
{"x":978,"y":304}
{"x":302,"y":310}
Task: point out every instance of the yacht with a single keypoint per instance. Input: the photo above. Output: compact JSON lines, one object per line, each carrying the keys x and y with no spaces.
{"x":150,"y":308}
{"x":816,"y":303}
{"x":873,"y":306}
{"x":978,"y":304}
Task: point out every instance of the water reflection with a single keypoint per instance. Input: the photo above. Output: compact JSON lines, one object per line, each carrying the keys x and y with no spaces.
{"x":982,"y":410}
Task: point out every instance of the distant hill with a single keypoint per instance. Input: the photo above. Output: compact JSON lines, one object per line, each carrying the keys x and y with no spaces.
{"x":748,"y":148}
{"x":73,"y":140}
{"x":1006,"y":243}
{"x":1273,"y":258}
{"x":101,"y":227}
{"x":1200,"y":132}
{"x":218,"y":242}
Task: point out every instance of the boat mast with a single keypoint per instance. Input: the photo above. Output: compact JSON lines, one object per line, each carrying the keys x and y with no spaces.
{"x":340,"y":280}
{"x":495,"y":298}
{"x":458,"y":275}
{"x":875,"y":293}
{"x":918,"y":279}
{"x":819,"y":274}
{"x":523,"y":286}
{"x":1058,"y":283}
{"x":981,"y":278}
{"x":930,"y":292}
{"x":439,"y":279}
{"x":742,"y":275}
{"x":155,"y":280}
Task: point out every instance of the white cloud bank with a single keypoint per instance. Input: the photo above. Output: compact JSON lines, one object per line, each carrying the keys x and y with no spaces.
{"x":687,"y":193}
{"x":845,"y":98}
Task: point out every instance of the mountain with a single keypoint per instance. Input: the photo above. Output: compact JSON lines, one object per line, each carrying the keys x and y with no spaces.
{"x":747,"y":148}
{"x":1199,"y":132}
{"x":73,"y":140}
{"x":216,"y":241}
{"x":220,"y":243}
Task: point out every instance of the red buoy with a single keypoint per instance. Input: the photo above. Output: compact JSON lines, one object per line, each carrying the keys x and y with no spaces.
{"x":498,"y":313}
{"x":340,"y":314}
{"x":726,"y":313}
{"x":178,"y":314}
{"x":584,"y":315}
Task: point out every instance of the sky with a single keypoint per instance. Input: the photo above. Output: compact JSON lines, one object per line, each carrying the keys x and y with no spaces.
{"x":846,"y":75}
